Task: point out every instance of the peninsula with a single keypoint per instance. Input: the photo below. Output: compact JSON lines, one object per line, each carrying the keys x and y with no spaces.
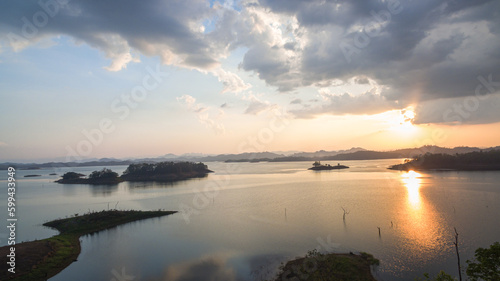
{"x":42,"y":259}
{"x":472,"y":161}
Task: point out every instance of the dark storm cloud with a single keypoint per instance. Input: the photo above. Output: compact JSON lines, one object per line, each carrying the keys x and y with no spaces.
{"x":152,"y":27}
{"x":410,"y":51}
{"x":366,"y":103}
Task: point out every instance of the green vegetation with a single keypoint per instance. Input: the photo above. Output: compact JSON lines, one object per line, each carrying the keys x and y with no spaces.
{"x":316,"y":266}
{"x":487,"y":264}
{"x":317,"y":166}
{"x":485,"y":267}
{"x":40,"y":260}
{"x":104,"y":176}
{"x":163,"y":172}
{"x":72,"y":175}
{"x":472,"y":161}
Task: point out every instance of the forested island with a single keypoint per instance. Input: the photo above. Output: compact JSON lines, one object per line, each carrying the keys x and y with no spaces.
{"x":161,"y":172}
{"x":472,"y":161}
{"x":317,"y":166}
{"x":165,"y":171}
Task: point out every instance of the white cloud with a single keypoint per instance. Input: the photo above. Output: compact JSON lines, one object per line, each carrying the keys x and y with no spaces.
{"x":232,"y":82}
{"x":205,"y":114}
{"x":257,"y":106}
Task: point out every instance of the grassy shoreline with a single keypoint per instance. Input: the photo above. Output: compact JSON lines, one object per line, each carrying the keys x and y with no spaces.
{"x":42,"y":259}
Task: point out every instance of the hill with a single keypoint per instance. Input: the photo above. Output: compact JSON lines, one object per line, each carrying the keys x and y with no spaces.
{"x":355,"y":153}
{"x":472,"y":161}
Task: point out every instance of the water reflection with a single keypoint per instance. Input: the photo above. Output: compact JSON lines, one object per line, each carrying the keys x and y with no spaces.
{"x":103,"y":190}
{"x":208,"y":268}
{"x":412,"y":182}
{"x":421,"y":225}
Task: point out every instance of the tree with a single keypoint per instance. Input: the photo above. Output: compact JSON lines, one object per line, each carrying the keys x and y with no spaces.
{"x":487,"y":266}
{"x":71,"y":175}
{"x":103,"y":174}
{"x":317,"y":164}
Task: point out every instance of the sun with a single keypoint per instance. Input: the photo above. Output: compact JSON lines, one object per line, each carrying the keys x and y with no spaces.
{"x":403,"y":121}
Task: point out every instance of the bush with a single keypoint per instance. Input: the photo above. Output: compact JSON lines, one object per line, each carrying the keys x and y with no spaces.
{"x":71,"y":175}
{"x":103,"y":174}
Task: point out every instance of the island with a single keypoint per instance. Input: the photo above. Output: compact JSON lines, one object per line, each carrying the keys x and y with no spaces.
{"x":104,"y":177}
{"x":32,"y":176}
{"x":472,"y":161}
{"x":317,"y":166}
{"x":160,"y":172}
{"x":316,"y":266}
{"x":42,"y":259}
{"x":165,"y":171}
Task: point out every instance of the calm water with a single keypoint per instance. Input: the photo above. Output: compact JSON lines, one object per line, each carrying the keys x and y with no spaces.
{"x":247,"y":218}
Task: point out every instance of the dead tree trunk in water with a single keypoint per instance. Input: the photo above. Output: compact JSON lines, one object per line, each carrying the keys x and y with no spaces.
{"x":458,"y":255}
{"x":345,"y":213}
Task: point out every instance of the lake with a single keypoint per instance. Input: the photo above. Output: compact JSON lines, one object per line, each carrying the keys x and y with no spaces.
{"x":242,"y":221}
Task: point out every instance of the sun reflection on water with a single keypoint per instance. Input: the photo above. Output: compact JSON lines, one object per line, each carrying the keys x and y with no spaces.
{"x":412,"y":182}
{"x":421,"y":226}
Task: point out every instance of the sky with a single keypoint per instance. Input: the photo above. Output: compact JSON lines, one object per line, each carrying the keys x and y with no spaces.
{"x":122,"y":78}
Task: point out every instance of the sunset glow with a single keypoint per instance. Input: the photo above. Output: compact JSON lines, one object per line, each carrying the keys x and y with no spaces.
{"x":412,"y":182}
{"x":206,"y":77}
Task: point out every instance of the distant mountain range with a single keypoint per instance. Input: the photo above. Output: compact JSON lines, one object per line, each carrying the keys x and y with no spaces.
{"x":355,"y":153}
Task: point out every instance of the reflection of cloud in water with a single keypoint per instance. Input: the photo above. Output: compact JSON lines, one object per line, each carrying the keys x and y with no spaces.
{"x":225,"y":267}
{"x":265,"y":266}
{"x":212,"y":268}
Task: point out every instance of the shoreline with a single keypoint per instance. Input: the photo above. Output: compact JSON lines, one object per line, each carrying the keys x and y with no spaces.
{"x":43,"y":259}
{"x":316,"y":266}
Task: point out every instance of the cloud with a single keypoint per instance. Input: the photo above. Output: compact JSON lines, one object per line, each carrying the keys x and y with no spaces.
{"x":296,"y":101}
{"x":2,"y":144}
{"x":213,"y":268}
{"x":168,"y":29}
{"x":416,"y":51}
{"x":232,"y":83}
{"x":204,"y":114}
{"x":367,"y":103}
{"x":361,"y":80}
{"x":257,"y":106}
{"x":462,"y":110}
{"x":422,"y":50}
